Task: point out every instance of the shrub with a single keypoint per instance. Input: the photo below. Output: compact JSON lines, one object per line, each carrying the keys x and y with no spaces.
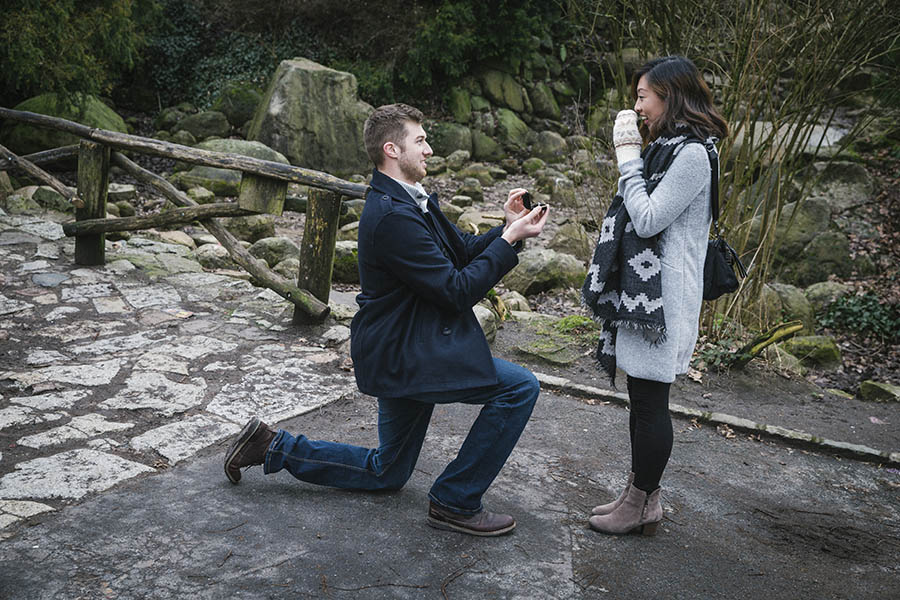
{"x":864,"y":314}
{"x":66,"y":47}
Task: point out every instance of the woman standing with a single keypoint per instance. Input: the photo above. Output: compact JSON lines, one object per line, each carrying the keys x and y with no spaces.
{"x":645,"y":282}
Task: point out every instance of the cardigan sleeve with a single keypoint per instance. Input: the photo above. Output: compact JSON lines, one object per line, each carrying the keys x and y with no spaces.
{"x":685,"y":178}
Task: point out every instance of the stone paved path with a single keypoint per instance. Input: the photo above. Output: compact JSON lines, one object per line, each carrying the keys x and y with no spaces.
{"x":108,"y":373}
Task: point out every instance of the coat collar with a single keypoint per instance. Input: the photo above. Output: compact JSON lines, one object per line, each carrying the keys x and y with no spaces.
{"x":388,"y":185}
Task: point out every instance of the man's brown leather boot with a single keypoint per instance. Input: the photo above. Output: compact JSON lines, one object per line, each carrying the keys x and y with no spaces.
{"x":248,"y":449}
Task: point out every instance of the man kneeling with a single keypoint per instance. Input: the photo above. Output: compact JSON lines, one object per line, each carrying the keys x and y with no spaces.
{"x":416,"y":342}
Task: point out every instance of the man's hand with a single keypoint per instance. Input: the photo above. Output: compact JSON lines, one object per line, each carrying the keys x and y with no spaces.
{"x":530,"y":224}
{"x":513,"y":207}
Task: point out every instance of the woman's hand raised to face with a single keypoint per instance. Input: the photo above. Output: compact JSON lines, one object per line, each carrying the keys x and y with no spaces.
{"x":626,"y":136}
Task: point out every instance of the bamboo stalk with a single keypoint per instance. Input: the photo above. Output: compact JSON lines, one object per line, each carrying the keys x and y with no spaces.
{"x":35,"y":171}
{"x":176,"y":216}
{"x":197,"y":156}
{"x":257,"y":268}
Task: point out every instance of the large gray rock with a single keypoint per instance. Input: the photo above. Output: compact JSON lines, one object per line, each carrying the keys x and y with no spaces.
{"x":541,"y":269}
{"x":87,"y":110}
{"x":313,"y":116}
{"x":252,"y":227}
{"x":447,"y":138}
{"x":572,"y":238}
{"x":488,"y":321}
{"x":275,"y":249}
{"x":825,"y":293}
{"x":543,"y":101}
{"x":796,"y":306}
{"x":346,"y":262}
{"x":512,"y":131}
{"x":794,"y":231}
{"x":550,"y":146}
{"x":214,"y":256}
{"x":223,"y":182}
{"x":503,"y":90}
{"x":209,"y":123}
{"x":238,"y":102}
{"x":815,"y":350}
{"x":828,"y":253}
{"x":841,"y":184}
{"x":812,"y":140}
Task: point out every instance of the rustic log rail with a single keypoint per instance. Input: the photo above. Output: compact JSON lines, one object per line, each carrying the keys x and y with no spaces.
{"x":302,"y":299}
{"x":90,"y":230}
{"x":13,"y":161}
{"x":209,"y":158}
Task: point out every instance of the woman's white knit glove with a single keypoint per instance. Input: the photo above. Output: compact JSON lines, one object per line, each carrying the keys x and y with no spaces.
{"x":626,"y":137}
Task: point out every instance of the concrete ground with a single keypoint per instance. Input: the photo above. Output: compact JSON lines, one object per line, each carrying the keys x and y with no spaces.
{"x":744,"y":518}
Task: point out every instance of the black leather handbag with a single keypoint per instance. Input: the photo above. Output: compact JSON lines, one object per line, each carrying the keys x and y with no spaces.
{"x":718,"y":270}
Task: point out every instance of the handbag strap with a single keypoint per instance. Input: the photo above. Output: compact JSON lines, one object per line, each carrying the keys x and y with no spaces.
{"x":714,"y":182}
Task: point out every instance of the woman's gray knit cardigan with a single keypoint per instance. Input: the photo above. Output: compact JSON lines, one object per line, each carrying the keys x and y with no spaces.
{"x":679,"y":207}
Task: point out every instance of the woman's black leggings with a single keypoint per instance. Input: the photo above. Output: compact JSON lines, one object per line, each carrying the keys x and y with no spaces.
{"x":651,"y":431}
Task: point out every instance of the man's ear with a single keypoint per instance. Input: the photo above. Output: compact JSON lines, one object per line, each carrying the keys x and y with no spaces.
{"x":391,"y":150}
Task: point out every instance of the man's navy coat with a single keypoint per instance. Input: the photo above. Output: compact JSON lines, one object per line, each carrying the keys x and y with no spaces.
{"x":420,"y":276}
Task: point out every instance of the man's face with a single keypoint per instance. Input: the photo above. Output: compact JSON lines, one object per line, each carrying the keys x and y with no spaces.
{"x":413,"y":152}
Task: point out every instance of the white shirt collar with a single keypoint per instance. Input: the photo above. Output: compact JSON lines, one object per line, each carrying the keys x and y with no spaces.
{"x":417,"y":192}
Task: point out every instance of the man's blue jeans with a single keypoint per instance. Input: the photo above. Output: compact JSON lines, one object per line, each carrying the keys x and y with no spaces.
{"x":402,"y":423}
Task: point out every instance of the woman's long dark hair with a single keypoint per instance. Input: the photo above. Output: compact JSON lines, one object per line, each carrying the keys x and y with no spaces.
{"x":686,"y":96}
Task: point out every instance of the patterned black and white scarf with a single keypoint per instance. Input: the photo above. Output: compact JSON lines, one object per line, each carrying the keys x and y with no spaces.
{"x":623,"y":287}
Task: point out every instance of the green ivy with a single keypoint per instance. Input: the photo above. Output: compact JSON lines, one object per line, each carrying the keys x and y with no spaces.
{"x":864,"y":314}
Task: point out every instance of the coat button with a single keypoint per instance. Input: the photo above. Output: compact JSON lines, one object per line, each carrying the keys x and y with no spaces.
{"x":446,"y":331}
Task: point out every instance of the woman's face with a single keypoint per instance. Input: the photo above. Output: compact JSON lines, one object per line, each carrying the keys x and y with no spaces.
{"x":648,"y":105}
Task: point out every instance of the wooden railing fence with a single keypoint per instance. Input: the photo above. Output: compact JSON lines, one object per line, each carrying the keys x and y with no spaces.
{"x":263,"y":190}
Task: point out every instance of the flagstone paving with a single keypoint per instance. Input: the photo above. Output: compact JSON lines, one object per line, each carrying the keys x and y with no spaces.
{"x":117,"y":371}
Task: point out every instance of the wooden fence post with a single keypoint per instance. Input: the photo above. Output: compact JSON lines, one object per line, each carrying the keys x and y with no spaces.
{"x":317,"y":249}
{"x":93,"y":182}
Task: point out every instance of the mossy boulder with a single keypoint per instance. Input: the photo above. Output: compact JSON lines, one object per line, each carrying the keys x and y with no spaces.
{"x":823,"y":294}
{"x":877,"y":391}
{"x":346,"y":262}
{"x":275,"y":249}
{"x":459,"y":101}
{"x":446,"y":138}
{"x":815,"y":350}
{"x":485,"y":147}
{"x":471,"y":187}
{"x":512,"y":131}
{"x":542,"y":269}
{"x":209,"y":123}
{"x":223,"y":182}
{"x":85,"y":109}
{"x":795,"y":306}
{"x":251,"y":228}
{"x":572,"y":238}
{"x":312,"y":115}
{"x":828,"y":253}
{"x":238,"y":102}
{"x":544,"y":102}
{"x":550,"y":146}
{"x":503,"y":90}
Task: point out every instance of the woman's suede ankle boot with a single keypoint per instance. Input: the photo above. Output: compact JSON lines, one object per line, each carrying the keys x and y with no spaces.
{"x":638,"y":511}
{"x":605,"y":509}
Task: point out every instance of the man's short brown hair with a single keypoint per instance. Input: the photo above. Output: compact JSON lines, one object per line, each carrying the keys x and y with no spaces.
{"x":388,"y":124}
